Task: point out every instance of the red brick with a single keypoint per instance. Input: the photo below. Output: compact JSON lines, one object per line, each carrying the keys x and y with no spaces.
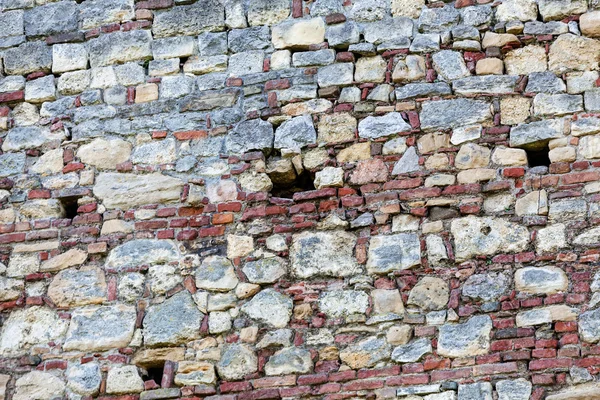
{"x":189,"y":135}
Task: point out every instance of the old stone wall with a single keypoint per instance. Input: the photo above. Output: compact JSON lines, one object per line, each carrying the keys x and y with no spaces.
{"x":326,"y":199}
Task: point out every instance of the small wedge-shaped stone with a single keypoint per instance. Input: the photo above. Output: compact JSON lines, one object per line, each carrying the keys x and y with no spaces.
{"x":412,"y":351}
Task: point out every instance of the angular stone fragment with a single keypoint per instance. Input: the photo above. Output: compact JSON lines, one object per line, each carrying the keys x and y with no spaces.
{"x":254,"y":134}
{"x":290,"y":360}
{"x":120,"y":47}
{"x":84,"y":379}
{"x":343,"y":303}
{"x":392,"y":252}
{"x":450,"y":64}
{"x":189,"y":20}
{"x":298,"y":34}
{"x":337,"y":127}
{"x":376,"y":127}
{"x":513,"y":389}
{"x":366,"y":353}
{"x":438,"y":19}
{"x":370,"y":69}
{"x":175,"y":321}
{"x":589,"y":24}
{"x":430,"y":293}
{"x":535,"y":135}
{"x":557,"y":104}
{"x":269,"y":307}
{"x":573,"y":53}
{"x":526,"y":60}
{"x":489,"y":286}
{"x":329,"y":177}
{"x":522,"y":10}
{"x":556,"y":10}
{"x":295,"y":133}
{"x":541,"y":280}
{"x":38,"y":209}
{"x":546,"y":315}
{"x":474,"y":236}
{"x":125,"y":191}
{"x":10,"y":289}
{"x":445,"y":114}
{"x":486,"y":84}
{"x":369,"y":10}
{"x":216,"y":274}
{"x":237,"y":361}
{"x":265,"y":270}
{"x":12,"y":164}
{"x":589,"y":326}
{"x":38,"y":385}
{"x":410,"y":69}
{"x":78,"y":287}
{"x":586,"y":391}
{"x":468,"y":339}
{"x":413,"y":351}
{"x":28,"y":327}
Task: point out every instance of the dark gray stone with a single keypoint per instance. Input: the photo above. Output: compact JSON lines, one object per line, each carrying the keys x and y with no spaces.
{"x":412,"y":351}
{"x":488,"y":286}
{"x":176,"y":320}
{"x":254,"y":134}
{"x":386,"y":125}
{"x":291,"y":360}
{"x":545,"y":82}
{"x":468,"y":339}
{"x":51,"y":19}
{"x":255,"y":38}
{"x":454,"y":113}
{"x":297,"y":132}
{"x":486,"y":84}
{"x":343,"y":35}
{"x":439,"y":19}
{"x":412,"y":90}
{"x":313,"y":58}
{"x":545,"y":28}
{"x":476,"y":15}
{"x":536,"y":135}
{"x":203,"y":15}
{"x":28,"y":57}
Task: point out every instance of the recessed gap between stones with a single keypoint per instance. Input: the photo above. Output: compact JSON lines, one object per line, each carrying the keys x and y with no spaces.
{"x":155,"y":374}
{"x":538,"y":158}
{"x":70,"y":205}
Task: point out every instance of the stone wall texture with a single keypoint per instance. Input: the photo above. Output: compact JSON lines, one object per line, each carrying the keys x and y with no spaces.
{"x":324,"y":199}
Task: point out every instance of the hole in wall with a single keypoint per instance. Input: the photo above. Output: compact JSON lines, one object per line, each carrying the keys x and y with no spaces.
{"x":70,"y":206}
{"x":303,"y":182}
{"x":154,"y":374}
{"x":538,"y":158}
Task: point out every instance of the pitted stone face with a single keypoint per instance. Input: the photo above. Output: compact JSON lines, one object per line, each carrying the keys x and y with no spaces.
{"x":469,"y":338}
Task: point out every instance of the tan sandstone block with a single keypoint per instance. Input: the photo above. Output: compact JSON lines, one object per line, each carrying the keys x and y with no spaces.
{"x":146,"y":92}
{"x":589,"y":24}
{"x":514,"y":110}
{"x":489,"y":66}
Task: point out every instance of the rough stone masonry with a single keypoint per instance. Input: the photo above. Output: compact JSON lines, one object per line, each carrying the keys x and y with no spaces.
{"x":320,"y":199}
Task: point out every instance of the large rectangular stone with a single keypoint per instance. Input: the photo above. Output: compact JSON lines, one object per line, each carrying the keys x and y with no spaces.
{"x":28,"y":57}
{"x":448,"y":114}
{"x":486,"y":84}
{"x":51,"y":19}
{"x":120,"y":47}
{"x":204,"y":15}
{"x":94,"y":13}
{"x":537,"y":134}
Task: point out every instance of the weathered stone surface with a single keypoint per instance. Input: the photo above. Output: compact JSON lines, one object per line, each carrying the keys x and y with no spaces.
{"x":120,"y":47}
{"x":28,"y":327}
{"x":295,"y":133}
{"x":323,"y":254}
{"x":450,"y":65}
{"x":254,"y":134}
{"x":269,"y":307}
{"x":513,"y":389}
{"x":84,"y":379}
{"x":526,"y":60}
{"x":438,"y":19}
{"x":216,"y":274}
{"x":38,"y":385}
{"x":587,"y":391}
{"x":191,"y":373}
{"x":430,"y":293}
{"x":95,"y":13}
{"x":522,"y":10}
{"x":546,"y":315}
{"x":265,"y":12}
{"x":488,"y":287}
{"x":487,"y":236}
{"x":366,"y":353}
{"x":290,"y":360}
{"x":555,"y":10}
{"x":298,"y":34}
{"x":10,"y":289}
{"x":124,"y":379}
{"x":343,"y":303}
{"x":368,"y":171}
{"x":453,"y":113}
{"x":51,"y":19}
{"x":29,"y":137}
{"x":573,"y":53}
{"x":589,"y":326}
{"x":100,"y":328}
{"x":142,"y":252}
{"x":265,"y":270}
{"x":204,"y":15}
{"x":393,"y":252}
{"x":376,"y":127}
{"x":370,"y":69}
{"x":336,"y":74}
{"x":128,"y":190}
{"x":541,"y":280}
{"x":174,"y":321}
{"x":329,"y":177}
{"x":467,"y":339}
{"x":413,"y":351}
{"x":475,"y":391}
{"x":72,"y":287}
{"x":105,"y":153}
{"x":535,"y":135}
{"x":487,"y":84}
{"x":237,"y":360}
{"x":472,"y":155}
{"x":557,"y":104}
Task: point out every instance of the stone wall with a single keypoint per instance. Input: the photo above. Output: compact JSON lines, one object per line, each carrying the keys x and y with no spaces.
{"x":327,"y":199}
